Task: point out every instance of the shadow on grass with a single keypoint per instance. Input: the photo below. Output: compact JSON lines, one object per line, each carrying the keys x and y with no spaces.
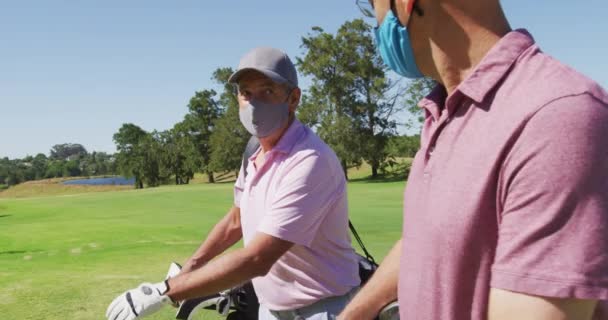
{"x":224,"y":175}
{"x":4,"y":215}
{"x":12,"y":252}
{"x":380,"y":179}
{"x":20,"y":251}
{"x":397,"y":172}
{"x":231,"y":181}
{"x":223,"y":178}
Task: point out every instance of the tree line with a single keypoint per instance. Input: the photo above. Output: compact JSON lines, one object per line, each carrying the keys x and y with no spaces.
{"x":64,"y":160}
{"x":353,"y":104}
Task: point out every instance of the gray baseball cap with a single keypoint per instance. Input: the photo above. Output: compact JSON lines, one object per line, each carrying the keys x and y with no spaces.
{"x":273,"y":63}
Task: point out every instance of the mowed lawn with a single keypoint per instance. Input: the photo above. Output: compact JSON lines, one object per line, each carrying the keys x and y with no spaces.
{"x":66,"y":257}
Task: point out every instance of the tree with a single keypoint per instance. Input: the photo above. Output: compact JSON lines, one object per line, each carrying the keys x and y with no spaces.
{"x":351,"y":101}
{"x":68,"y":160}
{"x":375,"y":93}
{"x":180,"y":154}
{"x":150,"y":154}
{"x":4,"y":163}
{"x":99,"y":163}
{"x":67,"y":151}
{"x":130,"y":158}
{"x":140,"y":155}
{"x":39,"y":166}
{"x":25,"y":167}
{"x":54,"y":169}
{"x":15,"y":177}
{"x":15,"y":171}
{"x":417,"y":90}
{"x":31,"y":168}
{"x":229,"y":136}
{"x":204,"y":111}
{"x":71,"y":169}
{"x":404,"y":146}
{"x":331,"y":93}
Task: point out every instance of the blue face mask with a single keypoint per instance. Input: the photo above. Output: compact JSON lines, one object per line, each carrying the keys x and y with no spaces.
{"x":395,"y":47}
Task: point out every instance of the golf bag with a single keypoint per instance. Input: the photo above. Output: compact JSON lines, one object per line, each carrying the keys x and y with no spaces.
{"x":238,"y":303}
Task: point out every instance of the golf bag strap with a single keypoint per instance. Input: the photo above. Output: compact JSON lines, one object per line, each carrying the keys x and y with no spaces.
{"x":356,"y":235}
{"x":252,"y":146}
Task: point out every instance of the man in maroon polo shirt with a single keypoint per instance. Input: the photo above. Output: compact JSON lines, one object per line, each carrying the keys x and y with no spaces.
{"x":506,"y":206}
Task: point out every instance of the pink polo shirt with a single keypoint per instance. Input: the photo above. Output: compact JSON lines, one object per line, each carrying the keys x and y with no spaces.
{"x":299,"y":195}
{"x":509,"y":189}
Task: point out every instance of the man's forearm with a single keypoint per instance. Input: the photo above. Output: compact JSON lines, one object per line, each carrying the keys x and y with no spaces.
{"x":505,"y":305}
{"x":220,"y":274}
{"x":379,"y":291}
{"x":230,"y":269}
{"x":224,"y":234}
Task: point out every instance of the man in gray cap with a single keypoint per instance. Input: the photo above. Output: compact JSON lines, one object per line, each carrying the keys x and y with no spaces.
{"x":290,"y":210}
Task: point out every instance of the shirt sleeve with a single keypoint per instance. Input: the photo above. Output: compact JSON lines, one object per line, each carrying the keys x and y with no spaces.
{"x":553,"y":204}
{"x":303,"y":199}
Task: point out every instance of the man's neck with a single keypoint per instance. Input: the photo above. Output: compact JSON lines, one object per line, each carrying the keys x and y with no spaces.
{"x":456,"y":53}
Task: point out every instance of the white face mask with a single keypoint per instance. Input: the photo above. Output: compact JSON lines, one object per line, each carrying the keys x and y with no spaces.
{"x":263,"y":119}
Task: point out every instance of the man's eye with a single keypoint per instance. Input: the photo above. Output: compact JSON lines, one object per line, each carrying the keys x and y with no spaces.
{"x":268,"y":91}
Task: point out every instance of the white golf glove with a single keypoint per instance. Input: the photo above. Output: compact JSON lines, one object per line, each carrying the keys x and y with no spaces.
{"x":139,"y":302}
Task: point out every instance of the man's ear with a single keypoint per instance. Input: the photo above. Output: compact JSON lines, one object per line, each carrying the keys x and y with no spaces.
{"x":294,"y":99}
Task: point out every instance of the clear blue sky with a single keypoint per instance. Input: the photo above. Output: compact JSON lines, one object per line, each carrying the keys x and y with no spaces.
{"x":74,"y":71}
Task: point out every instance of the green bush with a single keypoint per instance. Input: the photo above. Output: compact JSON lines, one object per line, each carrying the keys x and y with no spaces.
{"x":3,"y":187}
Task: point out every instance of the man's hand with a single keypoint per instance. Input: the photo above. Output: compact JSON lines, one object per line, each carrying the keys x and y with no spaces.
{"x":139,"y":302}
{"x":191,"y":265}
{"x":378,"y":292}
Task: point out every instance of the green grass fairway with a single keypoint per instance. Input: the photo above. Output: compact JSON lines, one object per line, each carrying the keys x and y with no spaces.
{"x":66,"y":257}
